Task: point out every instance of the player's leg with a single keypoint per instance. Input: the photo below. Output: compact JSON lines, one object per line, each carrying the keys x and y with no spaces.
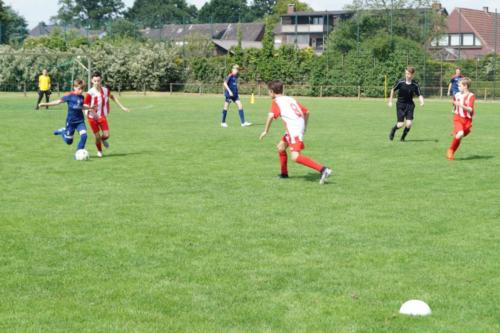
{"x":224,"y":113}
{"x":242,"y":113}
{"x":400,"y":115}
{"x":103,"y":124}
{"x":310,"y":163}
{"x":458,"y":134}
{"x":410,"y":108}
{"x":69,"y":134}
{"x":47,"y":97}
{"x":94,"y":125}
{"x":282,"y":146}
{"x":296,"y":146}
{"x":40,"y":96}
{"x":82,"y":130}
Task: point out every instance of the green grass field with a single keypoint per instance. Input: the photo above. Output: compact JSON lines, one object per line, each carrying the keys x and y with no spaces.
{"x":184,"y":226}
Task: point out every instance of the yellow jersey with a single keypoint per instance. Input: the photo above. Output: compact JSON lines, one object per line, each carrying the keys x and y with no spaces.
{"x":44,"y":82}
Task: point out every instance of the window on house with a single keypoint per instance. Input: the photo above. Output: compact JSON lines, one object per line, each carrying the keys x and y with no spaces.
{"x":444,"y":40}
{"x":317,"y":20}
{"x":468,"y":40}
{"x":455,"y":40}
{"x":434,"y":42}
{"x":477,"y":41}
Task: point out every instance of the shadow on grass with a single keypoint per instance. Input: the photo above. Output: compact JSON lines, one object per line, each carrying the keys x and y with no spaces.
{"x":126,"y":154}
{"x":475,"y":157}
{"x":314,"y":178}
{"x":422,"y":140}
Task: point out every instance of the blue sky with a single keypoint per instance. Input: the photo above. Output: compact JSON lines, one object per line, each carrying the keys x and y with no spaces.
{"x":41,"y":10}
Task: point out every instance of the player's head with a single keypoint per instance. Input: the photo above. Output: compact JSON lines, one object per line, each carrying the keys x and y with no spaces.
{"x":409,"y":72}
{"x":458,"y":71}
{"x":78,"y":86}
{"x":275,"y":88}
{"x":97,"y":79}
{"x":235,"y":69}
{"x":464,"y":84}
{"x":45,"y":71}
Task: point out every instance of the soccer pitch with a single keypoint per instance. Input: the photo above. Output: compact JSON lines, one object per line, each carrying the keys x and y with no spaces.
{"x":184,"y":226}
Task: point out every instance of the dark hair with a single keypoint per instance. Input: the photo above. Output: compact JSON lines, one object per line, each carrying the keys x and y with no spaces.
{"x":411,"y":69}
{"x":79,"y":83}
{"x":96,"y":74}
{"x":276,"y":86}
{"x":458,"y":68}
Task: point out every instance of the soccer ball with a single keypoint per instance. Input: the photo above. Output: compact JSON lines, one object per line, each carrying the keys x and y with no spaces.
{"x":82,"y":155}
{"x":415,"y":307}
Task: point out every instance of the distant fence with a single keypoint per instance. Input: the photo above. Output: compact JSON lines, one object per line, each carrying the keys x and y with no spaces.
{"x":482,"y":90}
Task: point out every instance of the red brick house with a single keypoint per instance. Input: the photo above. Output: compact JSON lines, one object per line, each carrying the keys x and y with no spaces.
{"x":470,"y":34}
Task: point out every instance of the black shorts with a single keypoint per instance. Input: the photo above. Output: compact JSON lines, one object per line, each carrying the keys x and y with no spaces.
{"x":405,"y":111}
{"x":44,"y":92}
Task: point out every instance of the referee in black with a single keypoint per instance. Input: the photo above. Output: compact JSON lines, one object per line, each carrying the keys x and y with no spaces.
{"x":407,"y":88}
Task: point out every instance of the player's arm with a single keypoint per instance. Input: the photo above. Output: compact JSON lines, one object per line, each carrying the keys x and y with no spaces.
{"x":117,"y":101}
{"x":391,"y":96}
{"x":54,"y":103}
{"x":449,"y":89}
{"x":269,"y":121}
{"x":227,"y":88}
{"x":419,"y":94}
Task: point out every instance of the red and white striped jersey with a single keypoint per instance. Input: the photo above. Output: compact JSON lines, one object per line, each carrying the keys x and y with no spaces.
{"x":100,"y":99}
{"x":292,"y":113}
{"x":467,"y":100}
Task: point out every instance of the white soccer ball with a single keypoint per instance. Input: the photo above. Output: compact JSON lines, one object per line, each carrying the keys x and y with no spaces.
{"x":414,"y":307}
{"x":82,"y":155}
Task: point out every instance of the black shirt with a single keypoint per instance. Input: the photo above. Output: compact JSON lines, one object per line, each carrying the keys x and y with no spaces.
{"x":406,"y":91}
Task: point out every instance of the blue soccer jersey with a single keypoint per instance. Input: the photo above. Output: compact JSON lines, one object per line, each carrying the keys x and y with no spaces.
{"x":454,"y":84}
{"x":232,"y":83}
{"x":75,"y":108}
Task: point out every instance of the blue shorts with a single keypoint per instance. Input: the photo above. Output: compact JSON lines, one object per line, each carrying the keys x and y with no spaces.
{"x":72,"y":127}
{"x":233,"y":98}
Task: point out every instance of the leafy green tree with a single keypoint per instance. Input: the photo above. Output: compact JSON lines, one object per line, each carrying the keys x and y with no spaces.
{"x":88,"y":13}
{"x":122,"y":28}
{"x":13,"y":27}
{"x":281,"y":6}
{"x":262,"y":8}
{"x":225,"y":11}
{"x":156,"y":13}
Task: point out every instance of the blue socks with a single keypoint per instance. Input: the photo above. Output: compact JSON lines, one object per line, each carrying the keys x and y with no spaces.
{"x":242,"y":116}
{"x":83,"y":140}
{"x":240,"y":112}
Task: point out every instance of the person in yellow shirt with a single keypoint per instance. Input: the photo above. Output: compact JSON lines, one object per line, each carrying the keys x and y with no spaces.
{"x":43,"y":88}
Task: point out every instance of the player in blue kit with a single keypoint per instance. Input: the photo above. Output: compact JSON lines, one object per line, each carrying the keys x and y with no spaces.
{"x":231,"y":95}
{"x":75,"y":120}
{"x":453,"y":86}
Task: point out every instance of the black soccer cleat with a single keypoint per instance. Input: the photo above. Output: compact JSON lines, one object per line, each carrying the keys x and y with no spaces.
{"x":283,"y":176}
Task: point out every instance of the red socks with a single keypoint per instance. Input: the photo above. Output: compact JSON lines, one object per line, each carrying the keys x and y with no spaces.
{"x":454,"y":144}
{"x":98,"y":144}
{"x":309,"y":163}
{"x":283,"y":161}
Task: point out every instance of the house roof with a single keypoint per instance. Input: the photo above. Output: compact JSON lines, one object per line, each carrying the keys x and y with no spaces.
{"x":480,"y":22}
{"x":227,"y":31}
{"x":249,"y":31}
{"x":228,"y":44}
{"x":43,"y":29}
{"x":320,"y":13}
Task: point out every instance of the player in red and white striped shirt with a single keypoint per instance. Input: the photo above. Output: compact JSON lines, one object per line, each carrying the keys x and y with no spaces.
{"x":463,"y":108}
{"x":97,"y":99}
{"x":294,"y":117}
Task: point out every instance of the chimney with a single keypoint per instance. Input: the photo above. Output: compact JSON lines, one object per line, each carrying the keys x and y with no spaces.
{"x":436,"y":6}
{"x":291,"y":8}
{"x":486,"y":10}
